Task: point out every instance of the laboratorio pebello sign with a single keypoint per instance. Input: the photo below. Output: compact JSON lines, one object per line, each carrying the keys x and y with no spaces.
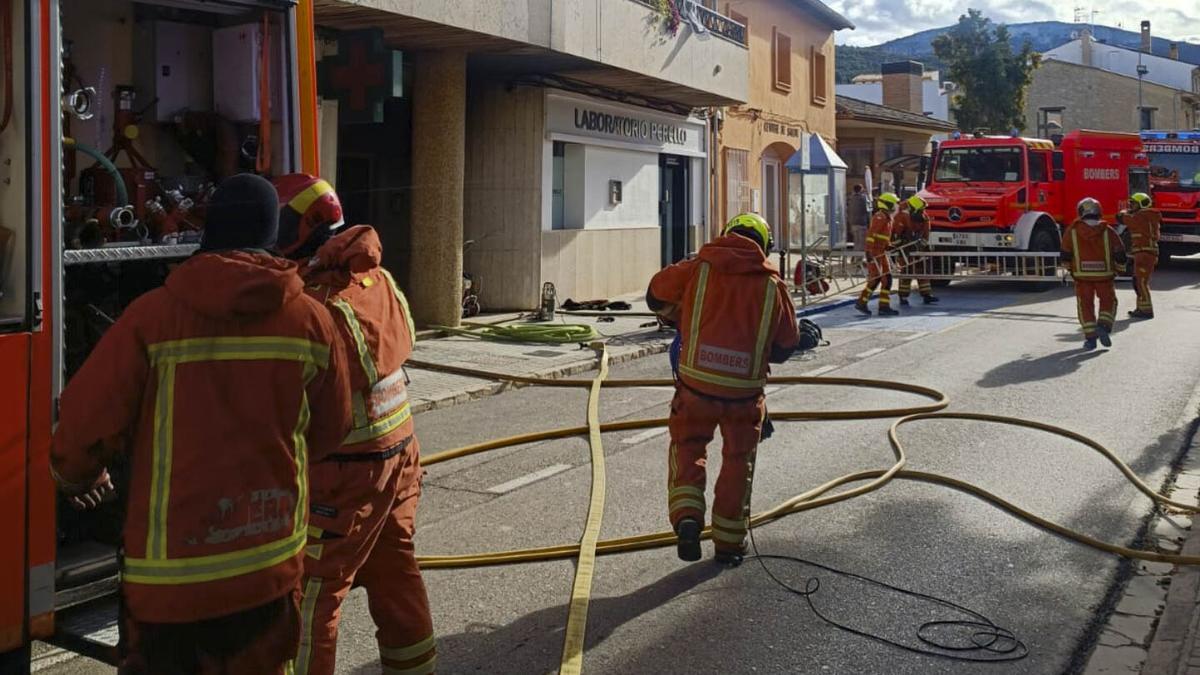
{"x":573,"y":115}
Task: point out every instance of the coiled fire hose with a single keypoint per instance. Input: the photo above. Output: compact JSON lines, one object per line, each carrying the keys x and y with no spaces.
{"x":821,"y":495}
{"x":548,"y":333}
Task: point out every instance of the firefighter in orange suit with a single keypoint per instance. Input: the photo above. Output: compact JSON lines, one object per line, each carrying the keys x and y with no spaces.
{"x":1144,"y":223}
{"x":223,"y":387}
{"x":911,"y":230}
{"x":879,"y":269}
{"x":734,"y":315}
{"x":1094,"y":252}
{"x":364,"y":497}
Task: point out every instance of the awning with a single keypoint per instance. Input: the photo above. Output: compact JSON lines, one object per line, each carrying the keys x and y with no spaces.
{"x":821,"y":157}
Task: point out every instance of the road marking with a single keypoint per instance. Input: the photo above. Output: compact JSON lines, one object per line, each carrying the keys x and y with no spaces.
{"x":819,"y":371}
{"x":528,"y":478}
{"x":914,"y":336}
{"x":870,"y":352}
{"x":644,"y":436}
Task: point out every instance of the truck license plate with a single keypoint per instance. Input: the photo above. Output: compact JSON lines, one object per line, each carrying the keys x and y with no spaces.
{"x":960,"y":238}
{"x":1170,"y":236}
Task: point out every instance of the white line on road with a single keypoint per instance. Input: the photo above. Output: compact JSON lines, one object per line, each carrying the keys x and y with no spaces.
{"x":870,"y":352}
{"x":914,"y":336}
{"x":644,"y":436}
{"x":528,"y":478}
{"x":819,"y":371}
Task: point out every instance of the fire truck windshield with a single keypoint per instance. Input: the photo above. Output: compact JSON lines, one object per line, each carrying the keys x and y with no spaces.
{"x":996,"y":164}
{"x":1175,"y":170}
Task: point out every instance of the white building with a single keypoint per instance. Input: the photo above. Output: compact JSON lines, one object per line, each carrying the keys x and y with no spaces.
{"x":1086,"y":51}
{"x":935,"y":94}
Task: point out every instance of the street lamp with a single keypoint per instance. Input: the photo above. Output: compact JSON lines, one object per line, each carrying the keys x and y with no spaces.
{"x":1141,"y":72}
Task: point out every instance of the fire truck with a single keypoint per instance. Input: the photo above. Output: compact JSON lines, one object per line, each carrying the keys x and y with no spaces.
{"x":1175,"y":182}
{"x":1012,"y":196}
{"x":117,"y":118}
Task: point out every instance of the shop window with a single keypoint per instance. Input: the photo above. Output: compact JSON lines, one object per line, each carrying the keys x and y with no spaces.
{"x":1146,"y":117}
{"x":820,"y":84}
{"x":558,"y":190}
{"x":1050,"y":122}
{"x":781,"y":60}
{"x":737,"y":182}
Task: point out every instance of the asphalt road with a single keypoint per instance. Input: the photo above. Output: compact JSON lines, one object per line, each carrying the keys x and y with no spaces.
{"x":989,"y":347}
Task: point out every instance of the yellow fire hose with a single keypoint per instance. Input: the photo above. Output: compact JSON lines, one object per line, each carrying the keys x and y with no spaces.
{"x":816,"y":497}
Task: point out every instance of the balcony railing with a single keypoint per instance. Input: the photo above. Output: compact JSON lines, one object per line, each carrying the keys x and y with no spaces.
{"x":714,"y":22}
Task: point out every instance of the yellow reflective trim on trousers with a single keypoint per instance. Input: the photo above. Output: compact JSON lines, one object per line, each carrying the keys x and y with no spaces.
{"x":687,"y":503}
{"x":687,"y":490}
{"x":721,"y":380}
{"x":728,"y":537}
{"x":412,"y":327}
{"x":308,"y":608}
{"x":360,"y":341}
{"x":160,"y":463}
{"x":730,"y":525}
{"x":312,"y":193}
{"x":407,"y":653}
{"x":764,"y":328}
{"x":423,"y":669}
{"x":211,"y":568}
{"x":697,"y":313}
{"x":263,"y":348}
{"x":380,"y":427}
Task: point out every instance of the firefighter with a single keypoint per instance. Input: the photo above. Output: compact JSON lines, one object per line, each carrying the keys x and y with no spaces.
{"x":1144,"y":223}
{"x":879,"y":270}
{"x":911,"y":232}
{"x":1094,"y":252}
{"x":223,"y":386}
{"x":364,"y":496}
{"x":734,"y":315}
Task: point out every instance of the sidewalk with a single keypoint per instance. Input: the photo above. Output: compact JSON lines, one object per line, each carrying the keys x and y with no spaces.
{"x":627,"y":338}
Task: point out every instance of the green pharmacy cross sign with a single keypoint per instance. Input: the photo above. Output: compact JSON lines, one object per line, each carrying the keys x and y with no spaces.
{"x":362,"y":76}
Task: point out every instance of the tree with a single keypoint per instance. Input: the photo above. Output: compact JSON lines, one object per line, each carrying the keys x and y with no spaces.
{"x":992,"y":79}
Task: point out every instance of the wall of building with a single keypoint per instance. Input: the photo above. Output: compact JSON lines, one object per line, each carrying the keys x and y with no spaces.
{"x":882,"y":143}
{"x":1097,"y":99}
{"x":589,"y":264}
{"x":639,"y":188}
{"x":936,"y":101}
{"x":503,"y":191}
{"x":1160,"y":70}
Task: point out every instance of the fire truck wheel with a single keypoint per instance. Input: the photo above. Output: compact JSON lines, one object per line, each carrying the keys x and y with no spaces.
{"x":1164,"y":257}
{"x":1043,"y":241}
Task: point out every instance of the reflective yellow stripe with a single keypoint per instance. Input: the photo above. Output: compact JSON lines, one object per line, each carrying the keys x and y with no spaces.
{"x":686,"y":491}
{"x":412,"y":327}
{"x":308,"y":607}
{"x":423,"y":669}
{"x":312,"y":193}
{"x":315,"y":532}
{"x":764,"y":328}
{"x":1078,"y":272}
{"x":160,"y":463}
{"x":264,"y":348}
{"x":300,"y":447}
{"x":687,"y":503}
{"x":212,"y":567}
{"x":314,"y":551}
{"x":360,"y":341}
{"x":728,"y":537}
{"x":697,"y":311}
{"x":721,"y":380}
{"x":729,"y":525}
{"x":407,"y":653}
{"x":380,"y":427}
{"x":358,"y":405}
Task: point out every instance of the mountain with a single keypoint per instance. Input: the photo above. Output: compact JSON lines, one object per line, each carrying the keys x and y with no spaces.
{"x":1043,"y":35}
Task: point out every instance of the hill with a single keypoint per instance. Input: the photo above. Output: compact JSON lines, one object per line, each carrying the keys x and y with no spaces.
{"x":1043,"y":35}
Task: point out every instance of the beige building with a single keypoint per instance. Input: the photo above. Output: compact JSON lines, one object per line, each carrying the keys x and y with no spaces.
{"x":791,"y":96}
{"x":1066,"y":96}
{"x":557,"y":135}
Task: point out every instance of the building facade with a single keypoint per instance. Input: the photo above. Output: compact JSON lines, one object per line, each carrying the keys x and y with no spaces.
{"x":935,"y":94}
{"x":546,"y":137}
{"x":888,"y":141}
{"x":1066,"y":96}
{"x":791,"y":96}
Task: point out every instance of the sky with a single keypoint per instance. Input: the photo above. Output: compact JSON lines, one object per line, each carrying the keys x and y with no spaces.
{"x":878,"y":21}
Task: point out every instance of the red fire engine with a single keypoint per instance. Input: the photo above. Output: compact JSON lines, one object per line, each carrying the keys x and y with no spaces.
{"x":1000,"y":193}
{"x":117,"y":118}
{"x":1175,"y":181}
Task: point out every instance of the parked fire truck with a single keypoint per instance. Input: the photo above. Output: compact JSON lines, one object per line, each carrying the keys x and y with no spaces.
{"x":117,"y":118}
{"x":1008,"y":194}
{"x":1175,"y":182}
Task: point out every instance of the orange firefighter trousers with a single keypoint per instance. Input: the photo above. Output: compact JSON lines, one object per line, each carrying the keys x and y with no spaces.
{"x":1086,"y":294}
{"x":376,"y":554}
{"x":879,"y":275}
{"x":1144,"y":263}
{"x":694,"y":417}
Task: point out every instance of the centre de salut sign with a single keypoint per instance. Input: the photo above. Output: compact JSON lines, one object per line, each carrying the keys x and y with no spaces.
{"x":629,"y":127}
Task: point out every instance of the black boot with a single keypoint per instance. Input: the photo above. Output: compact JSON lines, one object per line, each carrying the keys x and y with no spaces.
{"x":728,"y":558}
{"x":930,"y":300}
{"x":888,"y":311}
{"x":862,"y":307}
{"x":688,"y":547}
{"x":904,"y":301}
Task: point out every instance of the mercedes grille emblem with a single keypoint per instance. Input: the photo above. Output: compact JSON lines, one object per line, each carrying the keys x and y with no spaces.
{"x":955,"y":214}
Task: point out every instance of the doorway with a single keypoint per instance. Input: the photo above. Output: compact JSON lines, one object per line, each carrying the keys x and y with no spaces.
{"x":771,"y":203}
{"x":674,"y":187}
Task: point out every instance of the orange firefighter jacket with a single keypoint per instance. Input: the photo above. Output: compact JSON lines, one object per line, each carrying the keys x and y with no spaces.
{"x":906,"y":227}
{"x":1144,"y":226}
{"x":377,"y":330}
{"x":1093,"y":250}
{"x":222,"y":386}
{"x":879,"y":233}
{"x":735,"y":315}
